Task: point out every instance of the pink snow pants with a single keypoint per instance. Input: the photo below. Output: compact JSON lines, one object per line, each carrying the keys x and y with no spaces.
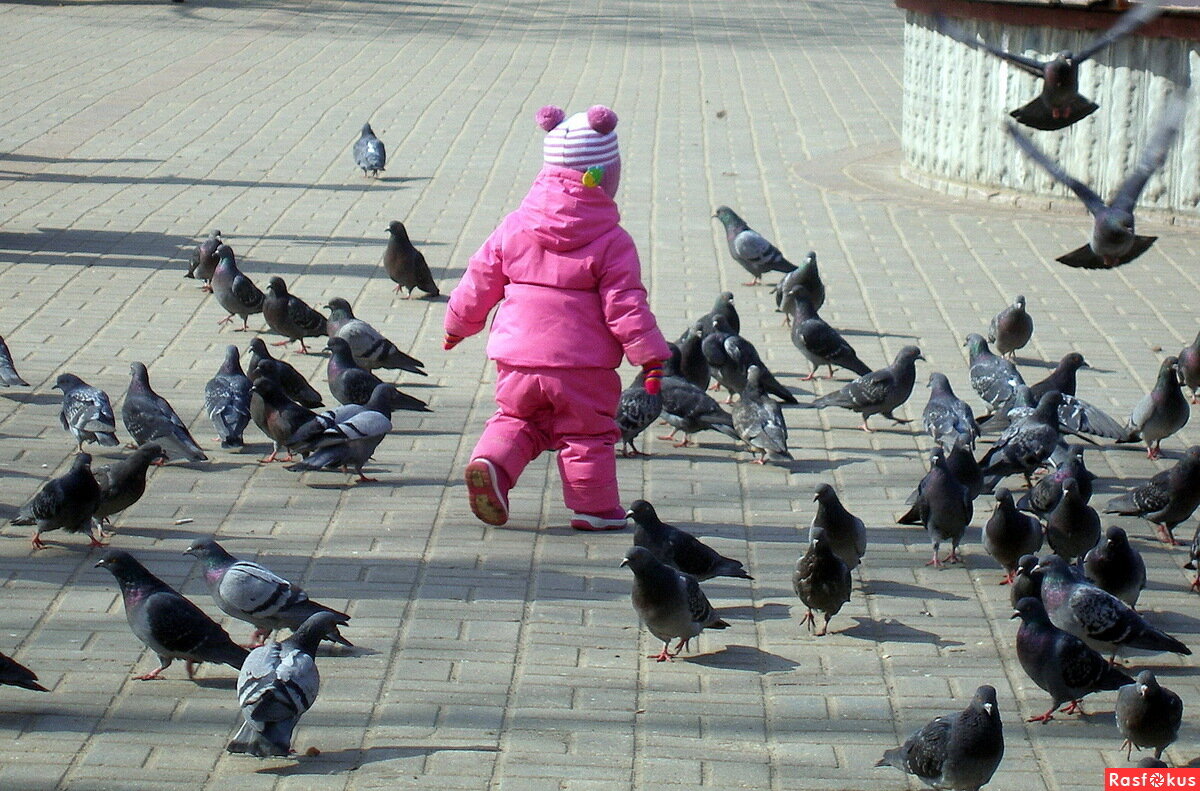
{"x":570,"y":410}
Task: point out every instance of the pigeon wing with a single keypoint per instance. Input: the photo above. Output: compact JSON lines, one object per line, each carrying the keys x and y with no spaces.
{"x":1091,"y":200}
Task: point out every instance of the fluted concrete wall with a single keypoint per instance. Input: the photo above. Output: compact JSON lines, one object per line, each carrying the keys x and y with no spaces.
{"x":956,"y":99}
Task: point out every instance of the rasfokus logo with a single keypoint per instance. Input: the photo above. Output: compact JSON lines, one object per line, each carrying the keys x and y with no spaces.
{"x":1175,"y":777}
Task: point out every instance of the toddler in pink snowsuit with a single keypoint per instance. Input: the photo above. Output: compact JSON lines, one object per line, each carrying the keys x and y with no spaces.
{"x":573,"y":302}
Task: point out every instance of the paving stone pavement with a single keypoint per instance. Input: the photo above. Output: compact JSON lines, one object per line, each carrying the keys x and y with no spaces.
{"x":510,"y":658}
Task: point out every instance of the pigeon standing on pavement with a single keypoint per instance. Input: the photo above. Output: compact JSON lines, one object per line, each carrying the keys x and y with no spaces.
{"x":678,"y":548}
{"x":86,"y":412}
{"x":168,"y":623}
{"x":688,"y":408}
{"x":148,"y":417}
{"x":1148,"y":715}
{"x":804,"y":282}
{"x":235,"y":292}
{"x":292,"y":381}
{"x":1116,"y":566}
{"x":1026,"y":581}
{"x":637,"y":408}
{"x":1161,"y":412}
{"x":8,"y":370}
{"x":290,"y":316}
{"x":14,"y":674}
{"x":122,"y":484}
{"x":947,"y":418}
{"x":958,"y":751}
{"x":204,"y":260}
{"x":1167,"y":499}
{"x":1189,"y":367}
{"x":821,"y":580}
{"x":730,"y":356}
{"x":669,"y":602}
{"x":879,"y":392}
{"x":993,"y":378}
{"x":367,"y":345}
{"x":1011,"y":328}
{"x":1045,"y":494}
{"x":962,"y":463}
{"x":1114,"y":241}
{"x":1062,"y":378}
{"x":723,"y":307}
{"x":1025,"y":445}
{"x":351,"y":384}
{"x":276,"y":415}
{"x":821,"y":344}
{"x":369,"y":152}
{"x":227,"y":400}
{"x":67,"y":502}
{"x":943,"y":505}
{"x":759,"y":421}
{"x":405,"y":264}
{"x":351,"y":440}
{"x":253,"y":593}
{"x":693,"y":365}
{"x":1009,"y":534}
{"x":845,"y":532}
{"x":1073,"y":526}
{"x":749,"y":248}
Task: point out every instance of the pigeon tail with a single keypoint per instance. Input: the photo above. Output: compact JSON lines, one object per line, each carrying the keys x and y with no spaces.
{"x":249,"y":741}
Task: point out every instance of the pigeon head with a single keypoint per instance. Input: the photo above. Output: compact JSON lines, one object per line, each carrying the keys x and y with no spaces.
{"x":938,"y":382}
{"x":367,"y":131}
{"x":733,"y":223}
{"x":397,"y":229}
{"x":277,"y":287}
{"x":811,"y":258}
{"x":140,"y":377}
{"x":1168,"y":374}
{"x":269,"y":369}
{"x":1070,"y":487}
{"x":268,"y":388}
{"x":824,"y":493}
{"x":1061,"y":71}
{"x":985,"y":698}
{"x":640,"y":559}
{"x":1072,"y":362}
{"x":224,"y":253}
{"x":339,"y":347}
{"x":1019,"y":303}
{"x":259,"y":346}
{"x":125,"y":567}
{"x":233,"y":362}
{"x":753,"y":380}
{"x":1114,"y":229}
{"x":209,"y":552}
{"x":150,"y":452}
{"x":315,"y":629}
{"x":642,"y":512}
{"x":340,"y":308}
{"x":674,"y":361}
{"x":1027,"y":565}
{"x":818,"y":539}
{"x":1004,"y":496}
{"x":1054,"y":566}
{"x":908,"y":354}
{"x":382,"y":398}
{"x":81,"y":460}
{"x":1031,"y":610}
{"x":976,"y":345}
{"x":1115,"y":536}
{"x":802,"y":307}
{"x":719,"y":323}
{"x":68,"y":382}
{"x":937,"y":457}
{"x":1147,"y":684}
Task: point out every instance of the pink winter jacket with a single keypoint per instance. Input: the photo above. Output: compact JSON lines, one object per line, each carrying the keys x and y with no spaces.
{"x":570,"y":281}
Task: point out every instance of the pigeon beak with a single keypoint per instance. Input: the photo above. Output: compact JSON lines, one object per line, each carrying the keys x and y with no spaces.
{"x":816,"y":497}
{"x":1143,"y":689}
{"x":629,"y":514}
{"x":988,"y":708}
{"x":1014,"y":615}
{"x":100,"y":563}
{"x":624,"y":562}
{"x":921,"y":357}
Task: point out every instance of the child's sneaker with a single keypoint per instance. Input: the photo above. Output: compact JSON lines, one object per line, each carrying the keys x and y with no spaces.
{"x":488,"y":503}
{"x":615,"y":520}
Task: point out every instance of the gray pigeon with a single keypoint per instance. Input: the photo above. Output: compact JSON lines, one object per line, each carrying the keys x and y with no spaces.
{"x":1189,"y":367}
{"x":122,"y":484}
{"x":168,"y":623}
{"x":845,"y":532}
{"x":1161,"y":412}
{"x":290,"y":316}
{"x":688,"y":408}
{"x":253,"y":593}
{"x":277,"y":684}
{"x":1193,"y":563}
{"x":730,"y":356}
{"x":149,"y":418}
{"x":1148,"y":715}
{"x":405,"y":264}
{"x":292,"y":381}
{"x":369,"y":152}
{"x":994,"y":378}
{"x":204,"y":260}
{"x":1045,"y":494}
{"x":803,"y":282}
{"x":235,"y":292}
{"x":86,"y":412}
{"x":958,"y":752}
{"x":1010,"y":535}
{"x":636,"y":410}
{"x":722,"y":307}
{"x":947,"y":418}
{"x":367,"y":345}
{"x":1116,"y":566}
{"x":1167,"y":499}
{"x":1062,"y":378}
{"x":821,"y":580}
{"x":962,"y":463}
{"x":679,"y":549}
{"x":669,"y":602}
{"x":351,"y":384}
{"x":1027,"y":444}
{"x":276,"y":415}
{"x":693,"y":365}
{"x":1060,"y":663}
{"x":759,"y":421}
{"x":1073,"y":526}
{"x":821,"y":344}
{"x":1011,"y":328}
{"x":227,"y":400}
{"x":1114,"y":241}
{"x":879,"y":392}
{"x":8,"y":371}
{"x":352,"y":439}
{"x":749,"y":248}
{"x":943,"y":506}
{"x":67,"y":502}
{"x":14,"y":674}
{"x":1026,"y":581}
{"x":1075,"y":416}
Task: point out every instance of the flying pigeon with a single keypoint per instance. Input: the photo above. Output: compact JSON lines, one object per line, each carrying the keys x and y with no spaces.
{"x":292,"y":381}
{"x":369,"y":152}
{"x":290,"y":316}
{"x":8,"y":371}
{"x":679,"y":549}
{"x":405,"y":264}
{"x":669,"y":602}
{"x":204,"y":260}
{"x":845,"y":532}
{"x":1115,"y":566}
{"x":67,"y":502}
{"x":730,"y":356}
{"x":235,"y":292}
{"x":1161,"y":412}
{"x":1073,"y":526}
{"x":1010,"y":535}
{"x":821,"y":580}
{"x":1148,"y":715}
{"x":227,"y":400}
{"x":351,"y":384}
{"x":149,"y":418}
{"x":14,"y":674}
{"x":351,"y":440}
{"x":879,"y":392}
{"x":749,"y":248}
{"x":1167,"y":499}
{"x":367,"y":345}
{"x":122,"y":484}
{"x":637,"y":408}
{"x":1011,"y":328}
{"x":759,"y":420}
{"x":947,"y":418}
{"x":821,"y":344}
{"x":86,"y":412}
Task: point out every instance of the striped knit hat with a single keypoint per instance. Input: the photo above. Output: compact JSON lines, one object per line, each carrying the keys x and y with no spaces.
{"x":581,"y":142}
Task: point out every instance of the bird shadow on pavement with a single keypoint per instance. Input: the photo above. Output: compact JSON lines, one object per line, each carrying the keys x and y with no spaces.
{"x":217,"y":682}
{"x":37,"y":399}
{"x":892,"y":631}
{"x":907,"y":590}
{"x":159,"y":533}
{"x":744,"y":657}
{"x":877,"y":334}
{"x":763,"y":612}
{"x":336,"y":761}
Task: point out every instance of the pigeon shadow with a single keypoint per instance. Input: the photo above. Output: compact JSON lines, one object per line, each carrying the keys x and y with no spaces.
{"x":87,"y":160}
{"x":352,"y":758}
{"x":762,"y":612}
{"x":744,"y":657}
{"x":1031,"y":362}
{"x":158,"y":533}
{"x":892,"y":631}
{"x":907,"y":590}
{"x":877,"y":334}
{"x":222,"y":682}
{"x":37,"y":399}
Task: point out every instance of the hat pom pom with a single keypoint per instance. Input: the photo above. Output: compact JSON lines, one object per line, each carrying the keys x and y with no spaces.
{"x":549,"y":117}
{"x":602,"y":119}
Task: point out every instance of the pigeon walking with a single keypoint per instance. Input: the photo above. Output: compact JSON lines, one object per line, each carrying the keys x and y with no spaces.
{"x":369,"y":152}
{"x":637,"y":408}
{"x":759,"y":421}
{"x":8,"y":370}
{"x":723,"y":307}
{"x":679,"y":549}
{"x":943,"y":505}
{"x":879,"y":392}
{"x":367,"y":345}
{"x":947,"y":418}
{"x":1161,"y":412}
{"x":14,"y":674}
{"x":803,"y":283}
{"x":688,"y":408}
{"x":730,"y":356}
{"x":821,"y":580}
{"x":995,"y":379}
{"x":148,"y":417}
{"x":276,"y":415}
{"x":1189,"y":367}
{"x":405,"y":264}
{"x":749,"y":248}
{"x":693,"y":365}
{"x":122,"y":484}
{"x":1073,"y":527}
{"x":845,"y":532}
{"x":669,"y":602}
{"x":1026,"y":581}
{"x":290,"y":316}
{"x":1026,"y":445}
{"x":1062,"y":378}
{"x":86,"y":412}
{"x":351,"y":384}
{"x":168,"y":623}
{"x":204,"y":260}
{"x":227,"y":400}
{"x":292,"y":381}
{"x":1010,"y":535}
{"x":1115,"y":566}
{"x":821,"y":344}
{"x":1148,"y":715}
{"x":1167,"y":499}
{"x":1045,"y":494}
{"x":1011,"y":328}
{"x":235,"y":292}
{"x":352,"y":438}
{"x":67,"y":502}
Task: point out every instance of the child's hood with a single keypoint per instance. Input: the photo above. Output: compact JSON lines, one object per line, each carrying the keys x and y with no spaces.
{"x":562,"y":214}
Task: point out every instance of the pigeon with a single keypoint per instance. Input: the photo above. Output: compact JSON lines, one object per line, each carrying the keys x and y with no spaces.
{"x":8,"y":370}
{"x":821,"y":580}
{"x":993,"y":378}
{"x":292,"y":381}
{"x":804,"y":281}
{"x":679,"y":549}
{"x":290,"y":316}
{"x":1095,"y":616}
{"x":148,"y":417}
{"x":227,"y":400}
{"x":1167,"y":499}
{"x":1152,"y":763}
{"x":749,"y":248}
{"x":955,"y":751}
{"x":688,"y":408}
{"x":821,"y":344}
{"x":1115,"y":566}
{"x":1026,"y":581}
{"x":1189,"y":367}
{"x":254,"y":594}
{"x":1027,"y":444}
{"x":14,"y":674}
{"x":1148,"y":715}
{"x":204,"y":260}
{"x":276,"y":685}
{"x":68,"y":502}
{"x":405,"y":264}
{"x":669,"y":602}
{"x":759,"y":420}
{"x":730,"y":356}
{"x":1011,"y":328}
{"x":369,"y":152}
{"x":276,"y":415}
{"x":962,"y":463}
{"x":351,"y":384}
{"x":693,"y":365}
{"x":947,"y":418}
{"x":1193,"y":563}
{"x":309,"y":436}
{"x":1161,"y":412}
{"x":1073,"y":526}
{"x":86,"y":412}
{"x":1075,"y":416}
{"x":351,"y":440}
{"x":235,"y":292}
{"x":723,"y":307}
{"x":168,"y":623}
{"x":1062,"y":378}
{"x":1010,"y":535}
{"x":1045,"y":494}
{"x":1059,"y":104}
{"x":367,"y":345}
{"x":943,"y":506}
{"x":845,"y":532}
{"x":879,"y":392}
{"x":1114,"y":241}
{"x":122,"y":484}
{"x":636,"y":410}
{"x":1060,"y":663}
